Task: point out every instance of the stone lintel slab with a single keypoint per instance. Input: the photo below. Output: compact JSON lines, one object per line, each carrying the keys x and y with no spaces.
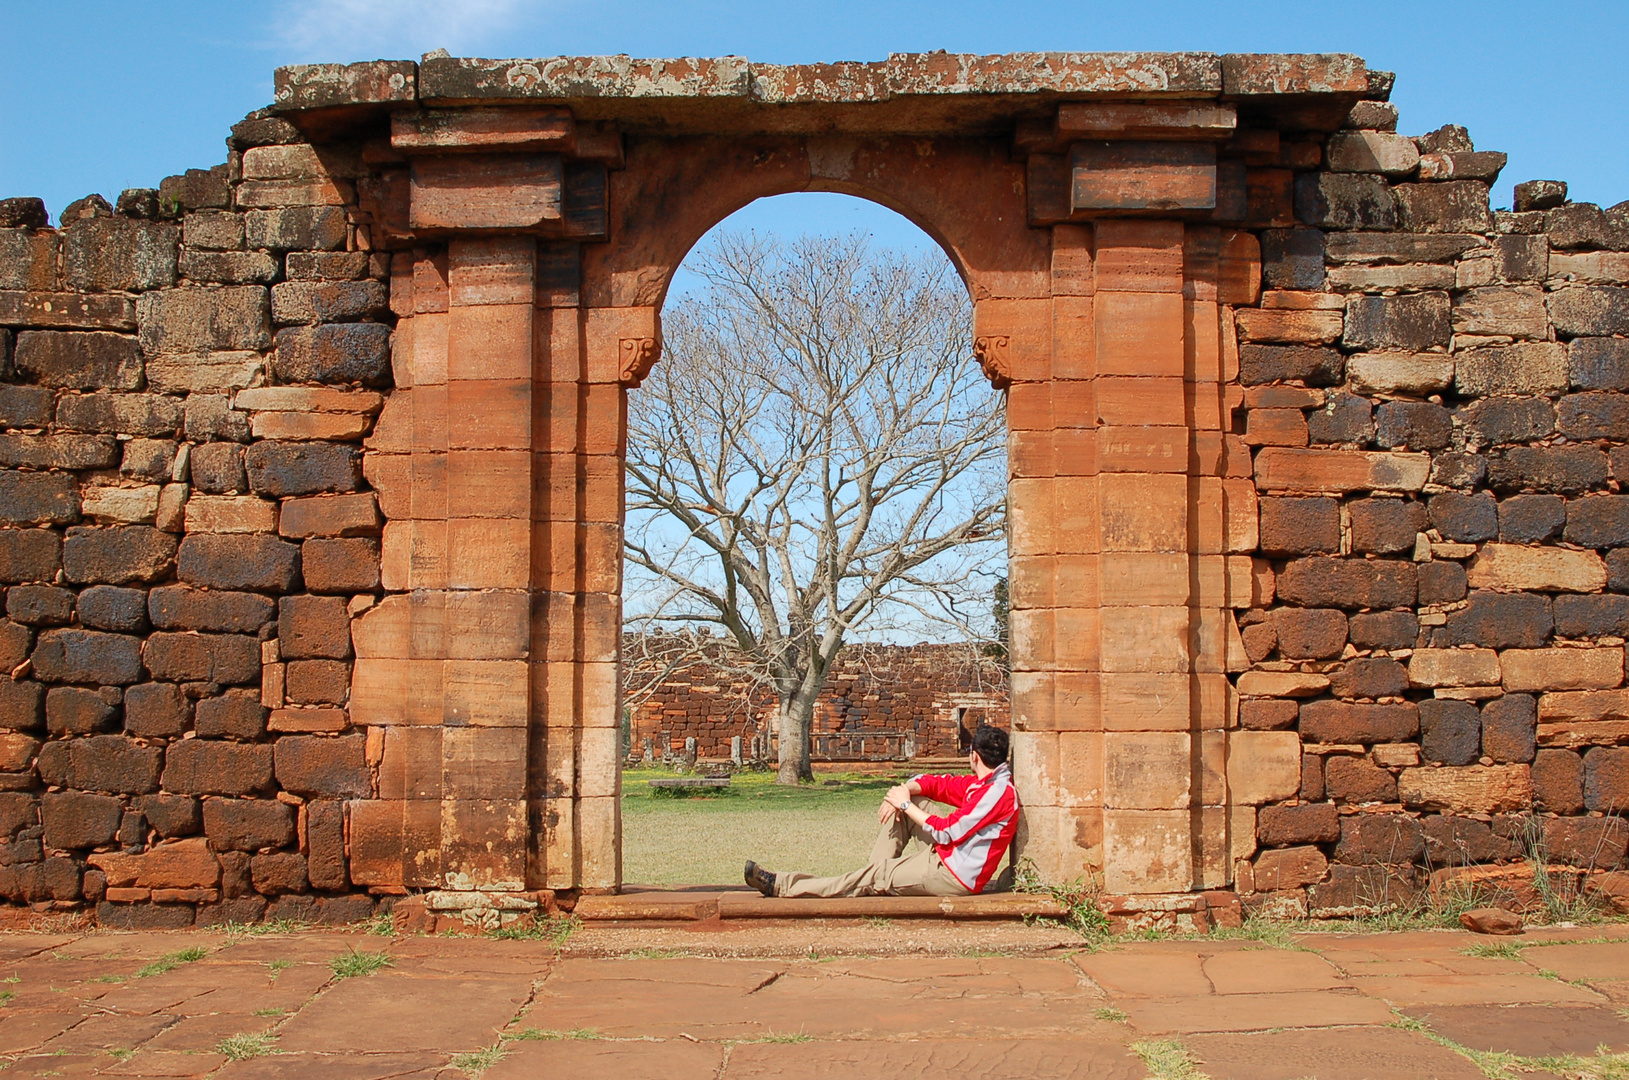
{"x":322,"y":86}
{"x":579,"y":79}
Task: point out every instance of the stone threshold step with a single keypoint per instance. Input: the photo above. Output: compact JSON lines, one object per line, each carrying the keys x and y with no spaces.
{"x":691,"y":906}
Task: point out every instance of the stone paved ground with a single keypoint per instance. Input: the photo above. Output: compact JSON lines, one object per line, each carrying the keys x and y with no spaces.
{"x":828,"y":1000}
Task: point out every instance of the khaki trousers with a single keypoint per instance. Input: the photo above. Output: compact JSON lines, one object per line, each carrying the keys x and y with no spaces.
{"x":887,"y":874}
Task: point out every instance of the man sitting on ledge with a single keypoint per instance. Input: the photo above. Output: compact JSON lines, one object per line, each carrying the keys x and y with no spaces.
{"x":963,"y":848}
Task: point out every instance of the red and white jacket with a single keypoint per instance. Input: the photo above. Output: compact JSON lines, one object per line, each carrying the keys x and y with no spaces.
{"x":972,"y":839}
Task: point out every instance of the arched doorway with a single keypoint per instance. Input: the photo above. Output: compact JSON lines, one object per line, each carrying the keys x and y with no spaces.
{"x":819,"y":396}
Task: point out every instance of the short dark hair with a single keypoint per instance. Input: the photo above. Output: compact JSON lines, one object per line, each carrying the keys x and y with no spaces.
{"x":990,"y":744}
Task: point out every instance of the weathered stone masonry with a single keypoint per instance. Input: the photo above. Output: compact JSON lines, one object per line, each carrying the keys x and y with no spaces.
{"x":311,"y":481}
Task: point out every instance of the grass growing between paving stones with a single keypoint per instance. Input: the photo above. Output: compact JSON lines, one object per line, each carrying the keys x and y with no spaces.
{"x":352,"y":963}
{"x":261,"y":929}
{"x":171,"y":961}
{"x":278,"y":966}
{"x":246,"y":1046}
{"x":479,"y":1061}
{"x":549,"y":1034}
{"x":1502,"y":1065}
{"x":1113,"y":1015}
{"x":1167,"y":1059}
{"x":704,"y":838}
{"x":1077,"y":897}
{"x":556,"y":929}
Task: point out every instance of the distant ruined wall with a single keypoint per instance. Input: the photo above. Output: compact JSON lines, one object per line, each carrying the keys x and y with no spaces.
{"x":881,"y":703}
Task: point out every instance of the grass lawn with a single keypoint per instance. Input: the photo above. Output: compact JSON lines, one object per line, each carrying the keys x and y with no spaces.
{"x":704,"y":839}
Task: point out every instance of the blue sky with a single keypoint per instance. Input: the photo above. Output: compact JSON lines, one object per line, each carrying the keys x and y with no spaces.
{"x":99,"y":96}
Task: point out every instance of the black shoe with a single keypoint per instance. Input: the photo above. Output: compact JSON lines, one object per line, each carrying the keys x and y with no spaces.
{"x":760,"y":879}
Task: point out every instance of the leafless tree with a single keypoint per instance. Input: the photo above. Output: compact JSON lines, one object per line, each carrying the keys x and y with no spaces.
{"x":817,"y":450}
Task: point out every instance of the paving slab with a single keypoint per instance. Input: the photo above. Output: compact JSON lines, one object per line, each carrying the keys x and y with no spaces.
{"x":22,"y":1030}
{"x":40,"y":1066}
{"x":1474,"y":990}
{"x":1145,"y":973}
{"x":669,"y":1059}
{"x":1590,"y":962}
{"x":1254,"y":1012}
{"x":1055,"y":1059}
{"x":818,"y":1000}
{"x":108,"y":1031}
{"x":166,"y":1063}
{"x":1529,"y":1030}
{"x":1262,"y":971}
{"x":337,"y":1066}
{"x":1368,"y":1053}
{"x":385,"y":1013}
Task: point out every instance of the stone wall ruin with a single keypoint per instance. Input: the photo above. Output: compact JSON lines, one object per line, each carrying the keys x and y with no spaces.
{"x":310,"y":487}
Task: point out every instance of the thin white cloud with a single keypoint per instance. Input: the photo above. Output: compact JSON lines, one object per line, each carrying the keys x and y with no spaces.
{"x":396,"y":29}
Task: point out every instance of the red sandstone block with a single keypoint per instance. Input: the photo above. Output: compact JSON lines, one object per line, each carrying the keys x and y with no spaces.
{"x":1286,"y":469}
{"x":391,"y":477}
{"x":1133,"y":402}
{"x":1073,"y":403}
{"x":1018,"y":333}
{"x":1142,"y":176}
{"x":1276,"y":427}
{"x":489,"y":414}
{"x":599,"y":557}
{"x":310,"y":426}
{"x":487,"y":625}
{"x":490,"y":342}
{"x":558,"y":346}
{"x":491,"y":270}
{"x":1143,"y":512}
{"x":429,"y":417}
{"x":1201,"y":247}
{"x":488,"y":483}
{"x":426,"y":349}
{"x":427,"y":500}
{"x":1239,"y":268}
{"x":1030,"y":453}
{"x":1139,"y":256}
{"x":1202,"y":341}
{"x":1269,"y":198}
{"x":1072,"y":273}
{"x":1289,"y":326}
{"x":1031,"y":517}
{"x":395,"y":843}
{"x":307,"y":720}
{"x":1139,"y":333}
{"x":430,"y":286}
{"x":614,"y":343}
{"x":1077,"y":527}
{"x":1032,"y":580}
{"x":330,"y":515}
{"x":488,"y":553}
{"x":1142,"y":449}
{"x":410,"y":765}
{"x":1077,"y":638}
{"x":1133,"y":578}
{"x":1074,"y":336}
{"x":1210,"y":405}
{"x":1029,"y":407}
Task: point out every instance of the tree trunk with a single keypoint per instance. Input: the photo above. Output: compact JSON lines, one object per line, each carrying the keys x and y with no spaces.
{"x":796,"y":721}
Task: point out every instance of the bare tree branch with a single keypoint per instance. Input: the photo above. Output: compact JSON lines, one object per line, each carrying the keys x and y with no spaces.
{"x":819,"y":451}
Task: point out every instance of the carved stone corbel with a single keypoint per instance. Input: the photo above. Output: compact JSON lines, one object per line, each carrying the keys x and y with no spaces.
{"x":991,"y":352}
{"x":637,"y":357}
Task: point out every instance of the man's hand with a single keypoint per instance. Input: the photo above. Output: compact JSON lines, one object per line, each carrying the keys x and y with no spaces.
{"x":894,"y":802}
